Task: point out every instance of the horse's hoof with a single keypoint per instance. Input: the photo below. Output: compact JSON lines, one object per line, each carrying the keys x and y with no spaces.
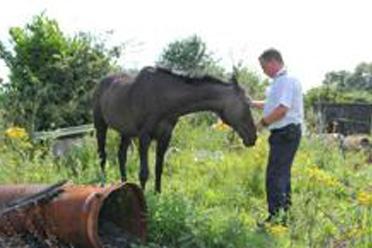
{"x":157,"y":190}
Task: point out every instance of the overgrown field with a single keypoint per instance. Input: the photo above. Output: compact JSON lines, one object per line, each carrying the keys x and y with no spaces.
{"x":213,"y":189}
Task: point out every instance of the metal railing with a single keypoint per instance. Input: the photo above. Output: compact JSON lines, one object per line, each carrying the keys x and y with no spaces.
{"x":64,"y":132}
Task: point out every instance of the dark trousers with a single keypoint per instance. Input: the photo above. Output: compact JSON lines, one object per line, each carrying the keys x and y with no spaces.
{"x":284,"y":143}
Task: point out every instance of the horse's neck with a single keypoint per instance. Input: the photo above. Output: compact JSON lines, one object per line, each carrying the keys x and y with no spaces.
{"x":206,"y":97}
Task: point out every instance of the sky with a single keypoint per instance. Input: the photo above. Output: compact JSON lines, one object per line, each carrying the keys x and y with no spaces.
{"x":314,"y":37}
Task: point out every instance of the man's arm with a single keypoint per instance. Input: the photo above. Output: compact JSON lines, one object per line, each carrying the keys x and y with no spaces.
{"x":277,"y":114}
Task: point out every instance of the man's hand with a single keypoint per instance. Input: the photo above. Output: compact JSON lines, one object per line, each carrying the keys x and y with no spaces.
{"x":261,"y":125}
{"x":277,"y":114}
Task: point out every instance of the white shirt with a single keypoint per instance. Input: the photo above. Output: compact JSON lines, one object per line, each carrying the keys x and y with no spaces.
{"x":287,"y":91}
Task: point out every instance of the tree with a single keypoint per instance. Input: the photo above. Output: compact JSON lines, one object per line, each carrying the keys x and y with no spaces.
{"x":51,"y":75}
{"x":343,"y":87}
{"x":189,"y":56}
{"x":336,"y":79}
{"x":360,"y":79}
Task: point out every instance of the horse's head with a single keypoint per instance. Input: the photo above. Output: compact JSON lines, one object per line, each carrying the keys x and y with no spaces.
{"x":237,"y":113}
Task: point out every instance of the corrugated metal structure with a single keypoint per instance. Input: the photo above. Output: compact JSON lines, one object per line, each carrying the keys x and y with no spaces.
{"x":350,"y":118}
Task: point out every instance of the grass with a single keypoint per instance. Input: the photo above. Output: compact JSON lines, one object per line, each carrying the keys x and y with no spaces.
{"x":213,"y":189}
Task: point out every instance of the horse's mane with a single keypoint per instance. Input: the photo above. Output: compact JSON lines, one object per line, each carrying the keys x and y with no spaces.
{"x":188,"y":78}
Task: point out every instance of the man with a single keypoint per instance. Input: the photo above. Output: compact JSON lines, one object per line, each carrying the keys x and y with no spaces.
{"x":283,"y":116}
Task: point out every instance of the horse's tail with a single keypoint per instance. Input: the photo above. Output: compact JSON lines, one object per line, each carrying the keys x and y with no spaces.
{"x":101,"y":88}
{"x":99,"y":122}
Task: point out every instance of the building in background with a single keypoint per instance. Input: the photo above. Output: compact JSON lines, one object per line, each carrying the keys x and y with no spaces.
{"x":345,"y":118}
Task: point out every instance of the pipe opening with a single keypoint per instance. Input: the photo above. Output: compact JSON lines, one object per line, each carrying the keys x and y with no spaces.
{"x":121,"y":219}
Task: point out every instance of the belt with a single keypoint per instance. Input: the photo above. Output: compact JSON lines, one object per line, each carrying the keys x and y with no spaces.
{"x":292,"y":125}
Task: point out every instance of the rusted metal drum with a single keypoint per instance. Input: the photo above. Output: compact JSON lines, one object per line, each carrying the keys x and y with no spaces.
{"x":78,"y":214}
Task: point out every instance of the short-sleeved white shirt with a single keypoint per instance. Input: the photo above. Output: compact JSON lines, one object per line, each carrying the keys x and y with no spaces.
{"x":287,"y":91}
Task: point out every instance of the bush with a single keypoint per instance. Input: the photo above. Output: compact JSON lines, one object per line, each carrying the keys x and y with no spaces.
{"x":51,"y":75}
{"x":213,"y":190}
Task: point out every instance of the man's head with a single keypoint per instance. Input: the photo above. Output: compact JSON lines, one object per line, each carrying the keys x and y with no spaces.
{"x":271,"y":62}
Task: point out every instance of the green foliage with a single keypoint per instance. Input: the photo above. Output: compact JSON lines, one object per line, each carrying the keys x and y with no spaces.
{"x":360,"y":79}
{"x":166,"y":207}
{"x":321,"y":94}
{"x":254,"y":85}
{"x":331,"y":94}
{"x":337,"y":79}
{"x":190,"y":56}
{"x":213,"y":189}
{"x":344,"y":87}
{"x":51,"y":75}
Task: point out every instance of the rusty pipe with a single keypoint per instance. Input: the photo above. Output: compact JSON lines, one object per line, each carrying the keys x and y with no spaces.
{"x":76,"y":215}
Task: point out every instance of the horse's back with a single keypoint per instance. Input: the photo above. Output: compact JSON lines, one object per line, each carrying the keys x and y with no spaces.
{"x":112,"y":102}
{"x":108,"y":81}
{"x":129,"y":104}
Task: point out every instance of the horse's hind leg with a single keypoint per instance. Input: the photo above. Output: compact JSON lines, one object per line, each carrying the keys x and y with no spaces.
{"x":144,"y":141}
{"x":122,"y":156}
{"x":161,"y":148}
{"x":101,"y":131}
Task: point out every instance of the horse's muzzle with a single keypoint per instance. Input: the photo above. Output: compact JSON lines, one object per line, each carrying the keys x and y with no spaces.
{"x":251,"y":141}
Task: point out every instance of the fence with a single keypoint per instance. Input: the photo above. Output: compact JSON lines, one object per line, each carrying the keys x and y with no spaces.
{"x":63,"y":139}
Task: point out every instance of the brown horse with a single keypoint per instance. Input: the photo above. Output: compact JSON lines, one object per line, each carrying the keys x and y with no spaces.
{"x":148,"y":107}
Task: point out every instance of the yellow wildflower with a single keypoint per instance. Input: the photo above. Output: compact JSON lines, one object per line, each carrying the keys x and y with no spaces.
{"x":277,"y":230}
{"x":364,"y":199}
{"x":220,"y":126}
{"x":16,"y":133}
{"x":322,"y":177}
{"x":354,"y":233}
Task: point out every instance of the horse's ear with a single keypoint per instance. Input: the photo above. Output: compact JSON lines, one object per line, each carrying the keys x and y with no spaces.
{"x":234,"y":76}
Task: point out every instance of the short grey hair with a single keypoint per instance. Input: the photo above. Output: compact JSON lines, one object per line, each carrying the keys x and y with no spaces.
{"x":270,"y":54}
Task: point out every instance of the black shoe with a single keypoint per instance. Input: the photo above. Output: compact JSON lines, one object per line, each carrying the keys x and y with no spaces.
{"x":273,"y":220}
{"x":264,"y":223}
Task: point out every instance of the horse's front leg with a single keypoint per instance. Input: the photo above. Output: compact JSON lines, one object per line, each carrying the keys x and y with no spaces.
{"x":122,"y":156}
{"x":162,"y":146}
{"x":144,"y":143}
